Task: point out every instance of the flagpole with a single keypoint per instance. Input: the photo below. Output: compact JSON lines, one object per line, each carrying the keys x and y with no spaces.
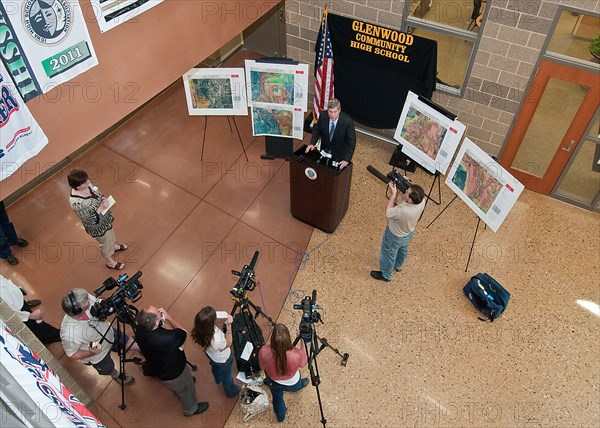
{"x":324,"y":41}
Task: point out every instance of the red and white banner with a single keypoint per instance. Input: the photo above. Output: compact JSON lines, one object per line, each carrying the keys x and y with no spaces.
{"x":21,"y":137}
{"x":35,"y":393}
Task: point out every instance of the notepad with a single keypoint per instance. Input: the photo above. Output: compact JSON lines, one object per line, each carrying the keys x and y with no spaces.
{"x":111,"y":202}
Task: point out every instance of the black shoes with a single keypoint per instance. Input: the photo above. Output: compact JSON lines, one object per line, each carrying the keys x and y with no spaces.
{"x":34,"y":303}
{"x":377,"y":275}
{"x":20,"y":242}
{"x":12,"y":260}
{"x":202,"y":406}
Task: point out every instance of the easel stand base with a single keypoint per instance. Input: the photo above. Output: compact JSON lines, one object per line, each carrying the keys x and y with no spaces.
{"x":474,"y":235}
{"x":229,"y":119}
{"x":278,"y":148}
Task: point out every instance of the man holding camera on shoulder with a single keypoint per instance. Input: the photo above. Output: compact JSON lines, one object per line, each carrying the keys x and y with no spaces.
{"x":87,"y":339}
{"x":402,"y":220}
{"x":165,"y":359}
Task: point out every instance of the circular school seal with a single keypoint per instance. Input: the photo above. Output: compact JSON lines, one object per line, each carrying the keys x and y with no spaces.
{"x":310,"y":173}
{"x":48,"y":22}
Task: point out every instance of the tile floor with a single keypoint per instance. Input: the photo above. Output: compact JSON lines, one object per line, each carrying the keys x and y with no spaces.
{"x":418,"y":354}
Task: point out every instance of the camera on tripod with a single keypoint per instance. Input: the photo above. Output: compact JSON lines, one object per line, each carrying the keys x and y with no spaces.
{"x":128,"y":289}
{"x":309,"y":307}
{"x":246,"y":281}
{"x":402,"y":184}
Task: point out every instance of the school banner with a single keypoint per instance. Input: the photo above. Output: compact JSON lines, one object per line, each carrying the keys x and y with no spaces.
{"x":21,"y":138}
{"x":375,"y":67}
{"x":44,"y":43}
{"x":34,"y":394}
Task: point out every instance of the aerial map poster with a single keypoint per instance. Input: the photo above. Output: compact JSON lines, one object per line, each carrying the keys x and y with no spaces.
{"x":216,"y":91}
{"x":486,"y":187}
{"x":277,"y":121}
{"x":281,"y":84}
{"x":427,"y":136}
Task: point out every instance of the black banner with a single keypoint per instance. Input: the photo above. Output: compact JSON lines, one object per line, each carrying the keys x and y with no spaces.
{"x":375,"y":67}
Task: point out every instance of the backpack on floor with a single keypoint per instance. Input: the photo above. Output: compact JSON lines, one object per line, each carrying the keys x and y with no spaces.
{"x":487,"y":295}
{"x":253,"y":400}
{"x":244,"y":329}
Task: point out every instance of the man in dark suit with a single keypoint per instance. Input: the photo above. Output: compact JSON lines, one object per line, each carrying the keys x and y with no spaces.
{"x":336,"y":130}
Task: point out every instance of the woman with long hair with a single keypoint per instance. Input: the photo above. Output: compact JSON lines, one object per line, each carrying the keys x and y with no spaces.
{"x":281,"y":361}
{"x":217,"y":347}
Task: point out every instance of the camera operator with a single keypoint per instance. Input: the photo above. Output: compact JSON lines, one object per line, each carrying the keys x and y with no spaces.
{"x":88,"y":339}
{"x":281,"y":361}
{"x":402,"y":220}
{"x":165,"y":359}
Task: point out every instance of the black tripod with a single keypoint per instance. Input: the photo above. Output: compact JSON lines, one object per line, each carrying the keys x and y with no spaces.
{"x":123,"y":318}
{"x":317,"y":344}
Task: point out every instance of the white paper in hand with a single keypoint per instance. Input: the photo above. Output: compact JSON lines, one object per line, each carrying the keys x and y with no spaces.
{"x":111,"y":202}
{"x":247,"y":351}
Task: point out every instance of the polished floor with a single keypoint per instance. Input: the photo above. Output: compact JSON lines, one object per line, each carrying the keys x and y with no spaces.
{"x":418,"y":354}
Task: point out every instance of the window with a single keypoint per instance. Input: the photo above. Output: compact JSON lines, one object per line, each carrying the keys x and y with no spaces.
{"x":455,"y":26}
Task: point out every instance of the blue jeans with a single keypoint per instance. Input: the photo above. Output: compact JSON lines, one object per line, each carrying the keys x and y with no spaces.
{"x":393,"y":252}
{"x":222,"y":374}
{"x":277,"y":393}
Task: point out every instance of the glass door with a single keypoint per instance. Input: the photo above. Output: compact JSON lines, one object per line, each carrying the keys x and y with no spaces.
{"x":558,"y":108}
{"x":580,"y":182}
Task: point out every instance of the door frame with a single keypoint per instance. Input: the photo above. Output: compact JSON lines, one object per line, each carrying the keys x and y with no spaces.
{"x":575,"y":132}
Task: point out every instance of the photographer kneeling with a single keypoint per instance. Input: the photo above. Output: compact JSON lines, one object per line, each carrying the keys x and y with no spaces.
{"x":84,"y":337}
{"x":402,"y":220}
{"x":165,"y":358}
{"x":281,"y":362}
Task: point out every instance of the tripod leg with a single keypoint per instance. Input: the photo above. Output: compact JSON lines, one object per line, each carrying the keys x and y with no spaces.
{"x":240,"y":137}
{"x":325,"y":344}
{"x":473,"y":244}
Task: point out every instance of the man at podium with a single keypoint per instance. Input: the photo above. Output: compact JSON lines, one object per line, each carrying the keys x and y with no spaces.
{"x":337,"y":134}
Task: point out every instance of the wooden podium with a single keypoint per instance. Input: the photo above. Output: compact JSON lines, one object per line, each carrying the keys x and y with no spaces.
{"x":319,"y":194}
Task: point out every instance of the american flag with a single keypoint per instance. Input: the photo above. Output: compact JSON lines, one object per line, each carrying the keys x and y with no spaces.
{"x":323,"y":69}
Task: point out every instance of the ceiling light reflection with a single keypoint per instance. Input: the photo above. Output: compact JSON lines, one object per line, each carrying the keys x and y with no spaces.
{"x":590,"y":306}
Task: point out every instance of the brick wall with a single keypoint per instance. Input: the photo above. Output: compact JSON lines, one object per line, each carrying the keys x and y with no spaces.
{"x":510,"y":46}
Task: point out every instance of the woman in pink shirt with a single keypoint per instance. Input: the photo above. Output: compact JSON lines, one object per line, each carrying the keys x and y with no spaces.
{"x":281,"y":362}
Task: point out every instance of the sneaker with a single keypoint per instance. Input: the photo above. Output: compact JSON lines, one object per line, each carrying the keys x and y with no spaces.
{"x":128,"y":380}
{"x":377,"y":275}
{"x":12,"y":260}
{"x":20,"y":242}
{"x":202,"y":406}
{"x":397,"y":270}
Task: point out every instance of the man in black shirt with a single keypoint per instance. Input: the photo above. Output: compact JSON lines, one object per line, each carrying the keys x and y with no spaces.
{"x":163,"y":349}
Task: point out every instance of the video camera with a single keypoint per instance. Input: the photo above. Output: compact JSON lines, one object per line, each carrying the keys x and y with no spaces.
{"x":246,"y":281}
{"x":309,"y":307}
{"x":402,"y":184}
{"x":128,"y":289}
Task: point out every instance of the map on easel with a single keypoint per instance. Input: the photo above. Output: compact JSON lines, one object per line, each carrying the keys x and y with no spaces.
{"x":276,"y":120}
{"x":273,"y":83}
{"x":481,"y":182}
{"x":428,"y":136}
{"x":216,"y":92}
